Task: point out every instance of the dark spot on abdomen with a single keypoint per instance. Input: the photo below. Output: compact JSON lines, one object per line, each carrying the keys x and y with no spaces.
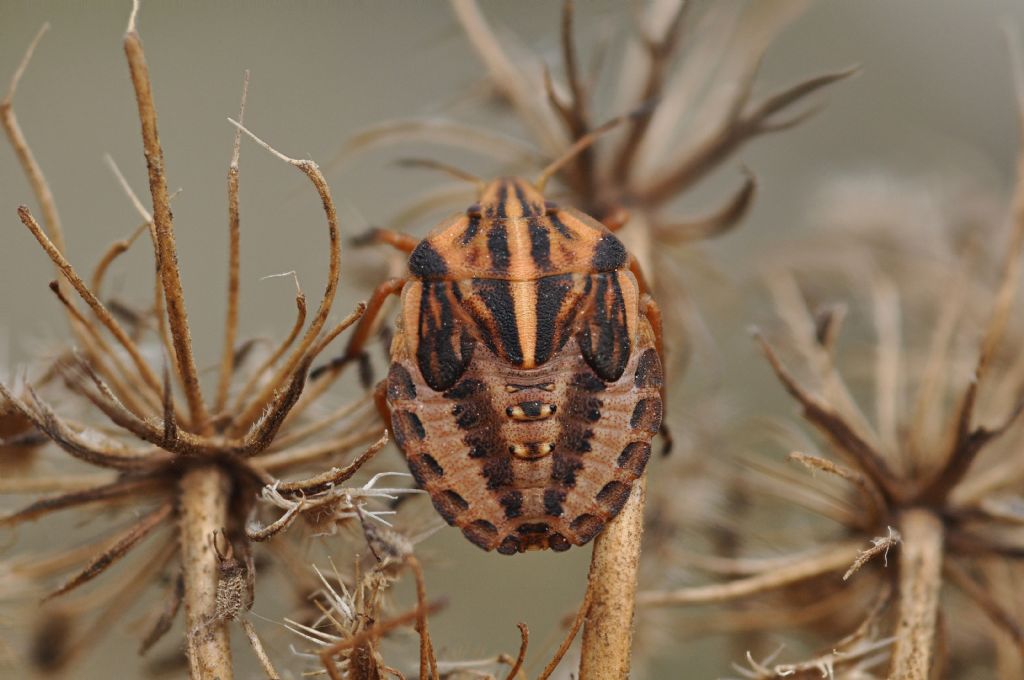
{"x":649,"y":372}
{"x":586,"y":526}
{"x":613,"y":496}
{"x":449,"y":505}
{"x":647,"y":415}
{"x":498,"y":473}
{"x":553,"y":499}
{"x":481,"y":533}
{"x":634,"y":457}
{"x":512,"y":502}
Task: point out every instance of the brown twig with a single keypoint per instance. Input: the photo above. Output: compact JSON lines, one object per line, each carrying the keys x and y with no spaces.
{"x":170,"y":276}
{"x":328,"y":653}
{"x":608,"y":633}
{"x":227,"y":363}
{"x":845,"y":438}
{"x":205,"y":492}
{"x":97,"y":494}
{"x":829,"y":560}
{"x":168,"y":613}
{"x":101,"y":312}
{"x":257,"y":647}
{"x":310,"y":169}
{"x":428,"y":662}
{"x":524,"y":642}
{"x":743,"y":124}
{"x":920,"y":584}
{"x":125,"y":542}
{"x":29,"y":165}
{"x":275,"y":356}
{"x":581,"y":615}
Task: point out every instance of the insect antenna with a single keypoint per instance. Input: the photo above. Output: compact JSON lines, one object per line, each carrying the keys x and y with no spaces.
{"x":451,"y":170}
{"x":585,"y":142}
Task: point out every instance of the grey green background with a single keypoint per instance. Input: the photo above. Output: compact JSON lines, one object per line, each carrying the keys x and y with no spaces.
{"x":935,"y":95}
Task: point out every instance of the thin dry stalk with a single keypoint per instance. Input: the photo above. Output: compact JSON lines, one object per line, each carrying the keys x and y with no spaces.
{"x":205,"y":492}
{"x":124,"y":543}
{"x":170,"y":276}
{"x":327,"y":654}
{"x":29,"y":165}
{"x":101,"y":312}
{"x":312,"y":171}
{"x":608,"y":632}
{"x":524,"y":642}
{"x":920,"y":584}
{"x":428,"y":662}
{"x":829,"y":560}
{"x":257,"y":647}
{"x":227,"y":364}
{"x":581,"y":615}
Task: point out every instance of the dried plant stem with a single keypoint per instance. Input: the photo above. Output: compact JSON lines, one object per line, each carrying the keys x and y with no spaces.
{"x":312,"y":171}
{"x":54,"y":484}
{"x":581,"y":615}
{"x":90,"y":299}
{"x":29,"y":165}
{"x":428,"y":664}
{"x":257,"y":647}
{"x":835,"y":558}
{"x":204,"y":507}
{"x":227,"y":365}
{"x":167,"y":261}
{"x":608,"y":631}
{"x":920,"y":584}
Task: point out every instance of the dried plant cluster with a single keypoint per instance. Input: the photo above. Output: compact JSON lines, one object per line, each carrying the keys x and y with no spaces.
{"x":909,"y":523}
{"x":191,"y":470}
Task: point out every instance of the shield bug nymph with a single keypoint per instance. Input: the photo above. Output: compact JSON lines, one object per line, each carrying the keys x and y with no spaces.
{"x":526,"y":379}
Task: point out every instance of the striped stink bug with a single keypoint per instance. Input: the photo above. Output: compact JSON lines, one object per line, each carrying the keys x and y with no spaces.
{"x":526,"y":379}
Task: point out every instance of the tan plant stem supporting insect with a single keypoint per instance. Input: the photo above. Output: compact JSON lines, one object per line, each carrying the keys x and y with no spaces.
{"x":920,"y":584}
{"x":608,"y":631}
{"x":204,"y":506}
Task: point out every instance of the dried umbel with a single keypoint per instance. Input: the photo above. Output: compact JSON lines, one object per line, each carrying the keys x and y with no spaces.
{"x":190,"y":466}
{"x":927,"y":494}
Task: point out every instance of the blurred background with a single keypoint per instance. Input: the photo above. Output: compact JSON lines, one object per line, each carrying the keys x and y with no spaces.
{"x":934,"y":98}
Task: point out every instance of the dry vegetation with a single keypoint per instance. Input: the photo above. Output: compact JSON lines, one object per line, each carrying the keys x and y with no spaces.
{"x":903,"y":523}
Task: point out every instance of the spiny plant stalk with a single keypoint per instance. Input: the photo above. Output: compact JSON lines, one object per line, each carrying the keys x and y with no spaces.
{"x":195,"y":474}
{"x":934,"y":483}
{"x":607,"y":642}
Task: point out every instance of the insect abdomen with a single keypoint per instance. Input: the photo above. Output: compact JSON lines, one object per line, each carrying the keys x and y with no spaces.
{"x":523,"y":459}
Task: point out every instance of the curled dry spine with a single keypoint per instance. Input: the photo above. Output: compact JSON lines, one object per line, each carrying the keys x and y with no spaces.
{"x":192,"y":472}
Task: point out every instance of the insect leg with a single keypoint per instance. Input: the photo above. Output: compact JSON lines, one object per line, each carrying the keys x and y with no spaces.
{"x":397,"y":240}
{"x":380,"y":400}
{"x":364,"y":329}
